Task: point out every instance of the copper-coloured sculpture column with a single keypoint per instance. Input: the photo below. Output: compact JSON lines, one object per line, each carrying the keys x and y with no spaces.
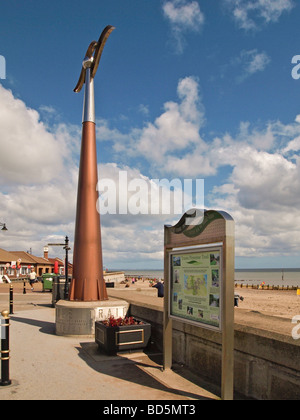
{"x":88,"y":282}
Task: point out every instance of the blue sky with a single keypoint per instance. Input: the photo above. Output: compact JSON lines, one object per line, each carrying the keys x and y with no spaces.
{"x":188,"y":89}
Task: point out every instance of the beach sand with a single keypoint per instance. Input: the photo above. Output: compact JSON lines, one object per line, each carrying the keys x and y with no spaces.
{"x":260,"y":308}
{"x":285,"y":304}
{"x":282,"y":303}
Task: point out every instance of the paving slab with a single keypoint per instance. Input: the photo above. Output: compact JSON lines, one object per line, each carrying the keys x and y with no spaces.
{"x":45,"y":366}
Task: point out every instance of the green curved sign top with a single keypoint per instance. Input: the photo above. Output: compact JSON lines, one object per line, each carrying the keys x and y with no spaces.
{"x":192,"y":231}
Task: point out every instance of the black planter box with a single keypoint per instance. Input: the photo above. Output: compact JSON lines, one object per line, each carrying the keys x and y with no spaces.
{"x":129,"y":337}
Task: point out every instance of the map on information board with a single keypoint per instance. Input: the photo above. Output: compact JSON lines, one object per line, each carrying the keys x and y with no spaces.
{"x":195,"y":292}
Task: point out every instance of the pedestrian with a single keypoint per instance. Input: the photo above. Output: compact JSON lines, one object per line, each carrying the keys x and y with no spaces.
{"x":32,"y":278}
{"x":160,"y":287}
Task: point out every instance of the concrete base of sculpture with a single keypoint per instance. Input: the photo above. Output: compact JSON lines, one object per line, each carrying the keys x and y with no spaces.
{"x":78,"y":318}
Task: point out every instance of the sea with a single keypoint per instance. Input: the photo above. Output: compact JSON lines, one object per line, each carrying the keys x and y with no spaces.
{"x":271,"y":277}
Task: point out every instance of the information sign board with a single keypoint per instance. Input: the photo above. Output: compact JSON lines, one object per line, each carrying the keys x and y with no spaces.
{"x":196,"y":287}
{"x":199,"y":283}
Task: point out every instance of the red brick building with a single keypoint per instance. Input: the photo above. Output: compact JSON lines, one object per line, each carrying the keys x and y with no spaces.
{"x":16,"y":264}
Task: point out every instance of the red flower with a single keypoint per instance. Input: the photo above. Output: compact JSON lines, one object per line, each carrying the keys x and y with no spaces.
{"x":120,"y":322}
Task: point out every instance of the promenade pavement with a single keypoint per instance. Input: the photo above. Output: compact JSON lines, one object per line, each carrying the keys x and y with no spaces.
{"x":44,"y":366}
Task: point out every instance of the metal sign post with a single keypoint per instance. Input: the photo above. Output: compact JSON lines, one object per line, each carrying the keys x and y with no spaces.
{"x":67,"y":249}
{"x":199,"y":283}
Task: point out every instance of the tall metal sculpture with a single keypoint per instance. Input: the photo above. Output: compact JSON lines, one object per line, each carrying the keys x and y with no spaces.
{"x":88,"y":282}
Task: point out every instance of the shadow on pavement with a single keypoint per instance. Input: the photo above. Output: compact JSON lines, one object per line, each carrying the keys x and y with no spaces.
{"x":135,"y":368}
{"x":45,"y":326}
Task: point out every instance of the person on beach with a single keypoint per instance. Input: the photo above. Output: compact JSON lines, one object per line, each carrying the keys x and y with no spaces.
{"x":160,"y":287}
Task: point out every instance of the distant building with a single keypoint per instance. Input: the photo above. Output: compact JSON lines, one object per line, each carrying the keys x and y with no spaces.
{"x":20,"y":263}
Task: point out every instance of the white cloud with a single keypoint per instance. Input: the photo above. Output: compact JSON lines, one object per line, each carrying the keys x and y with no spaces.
{"x":293,"y":145}
{"x":38,"y":175}
{"x":39,"y":186}
{"x":245,"y":65}
{"x":251,"y":62}
{"x":24,"y":140}
{"x":261,"y":139}
{"x":125,"y":246}
{"x":262,"y":186}
{"x":126,"y":238}
{"x":183,"y":16}
{"x":261,"y":232}
{"x":249,"y":14}
{"x":125,"y":191}
{"x":29,"y":152}
{"x":261,"y":189}
{"x":143,"y":109}
{"x":105,"y":133}
{"x":177,"y":128}
{"x":256,"y":61}
{"x":197,"y":163}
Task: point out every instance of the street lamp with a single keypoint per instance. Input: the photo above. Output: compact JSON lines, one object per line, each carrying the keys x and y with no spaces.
{"x":3,"y":225}
{"x":66,"y":248}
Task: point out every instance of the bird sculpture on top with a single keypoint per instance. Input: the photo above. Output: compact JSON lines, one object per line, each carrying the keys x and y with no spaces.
{"x":92,"y":57}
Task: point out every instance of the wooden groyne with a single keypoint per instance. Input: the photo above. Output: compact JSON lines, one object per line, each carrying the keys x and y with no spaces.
{"x":265,"y":287}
